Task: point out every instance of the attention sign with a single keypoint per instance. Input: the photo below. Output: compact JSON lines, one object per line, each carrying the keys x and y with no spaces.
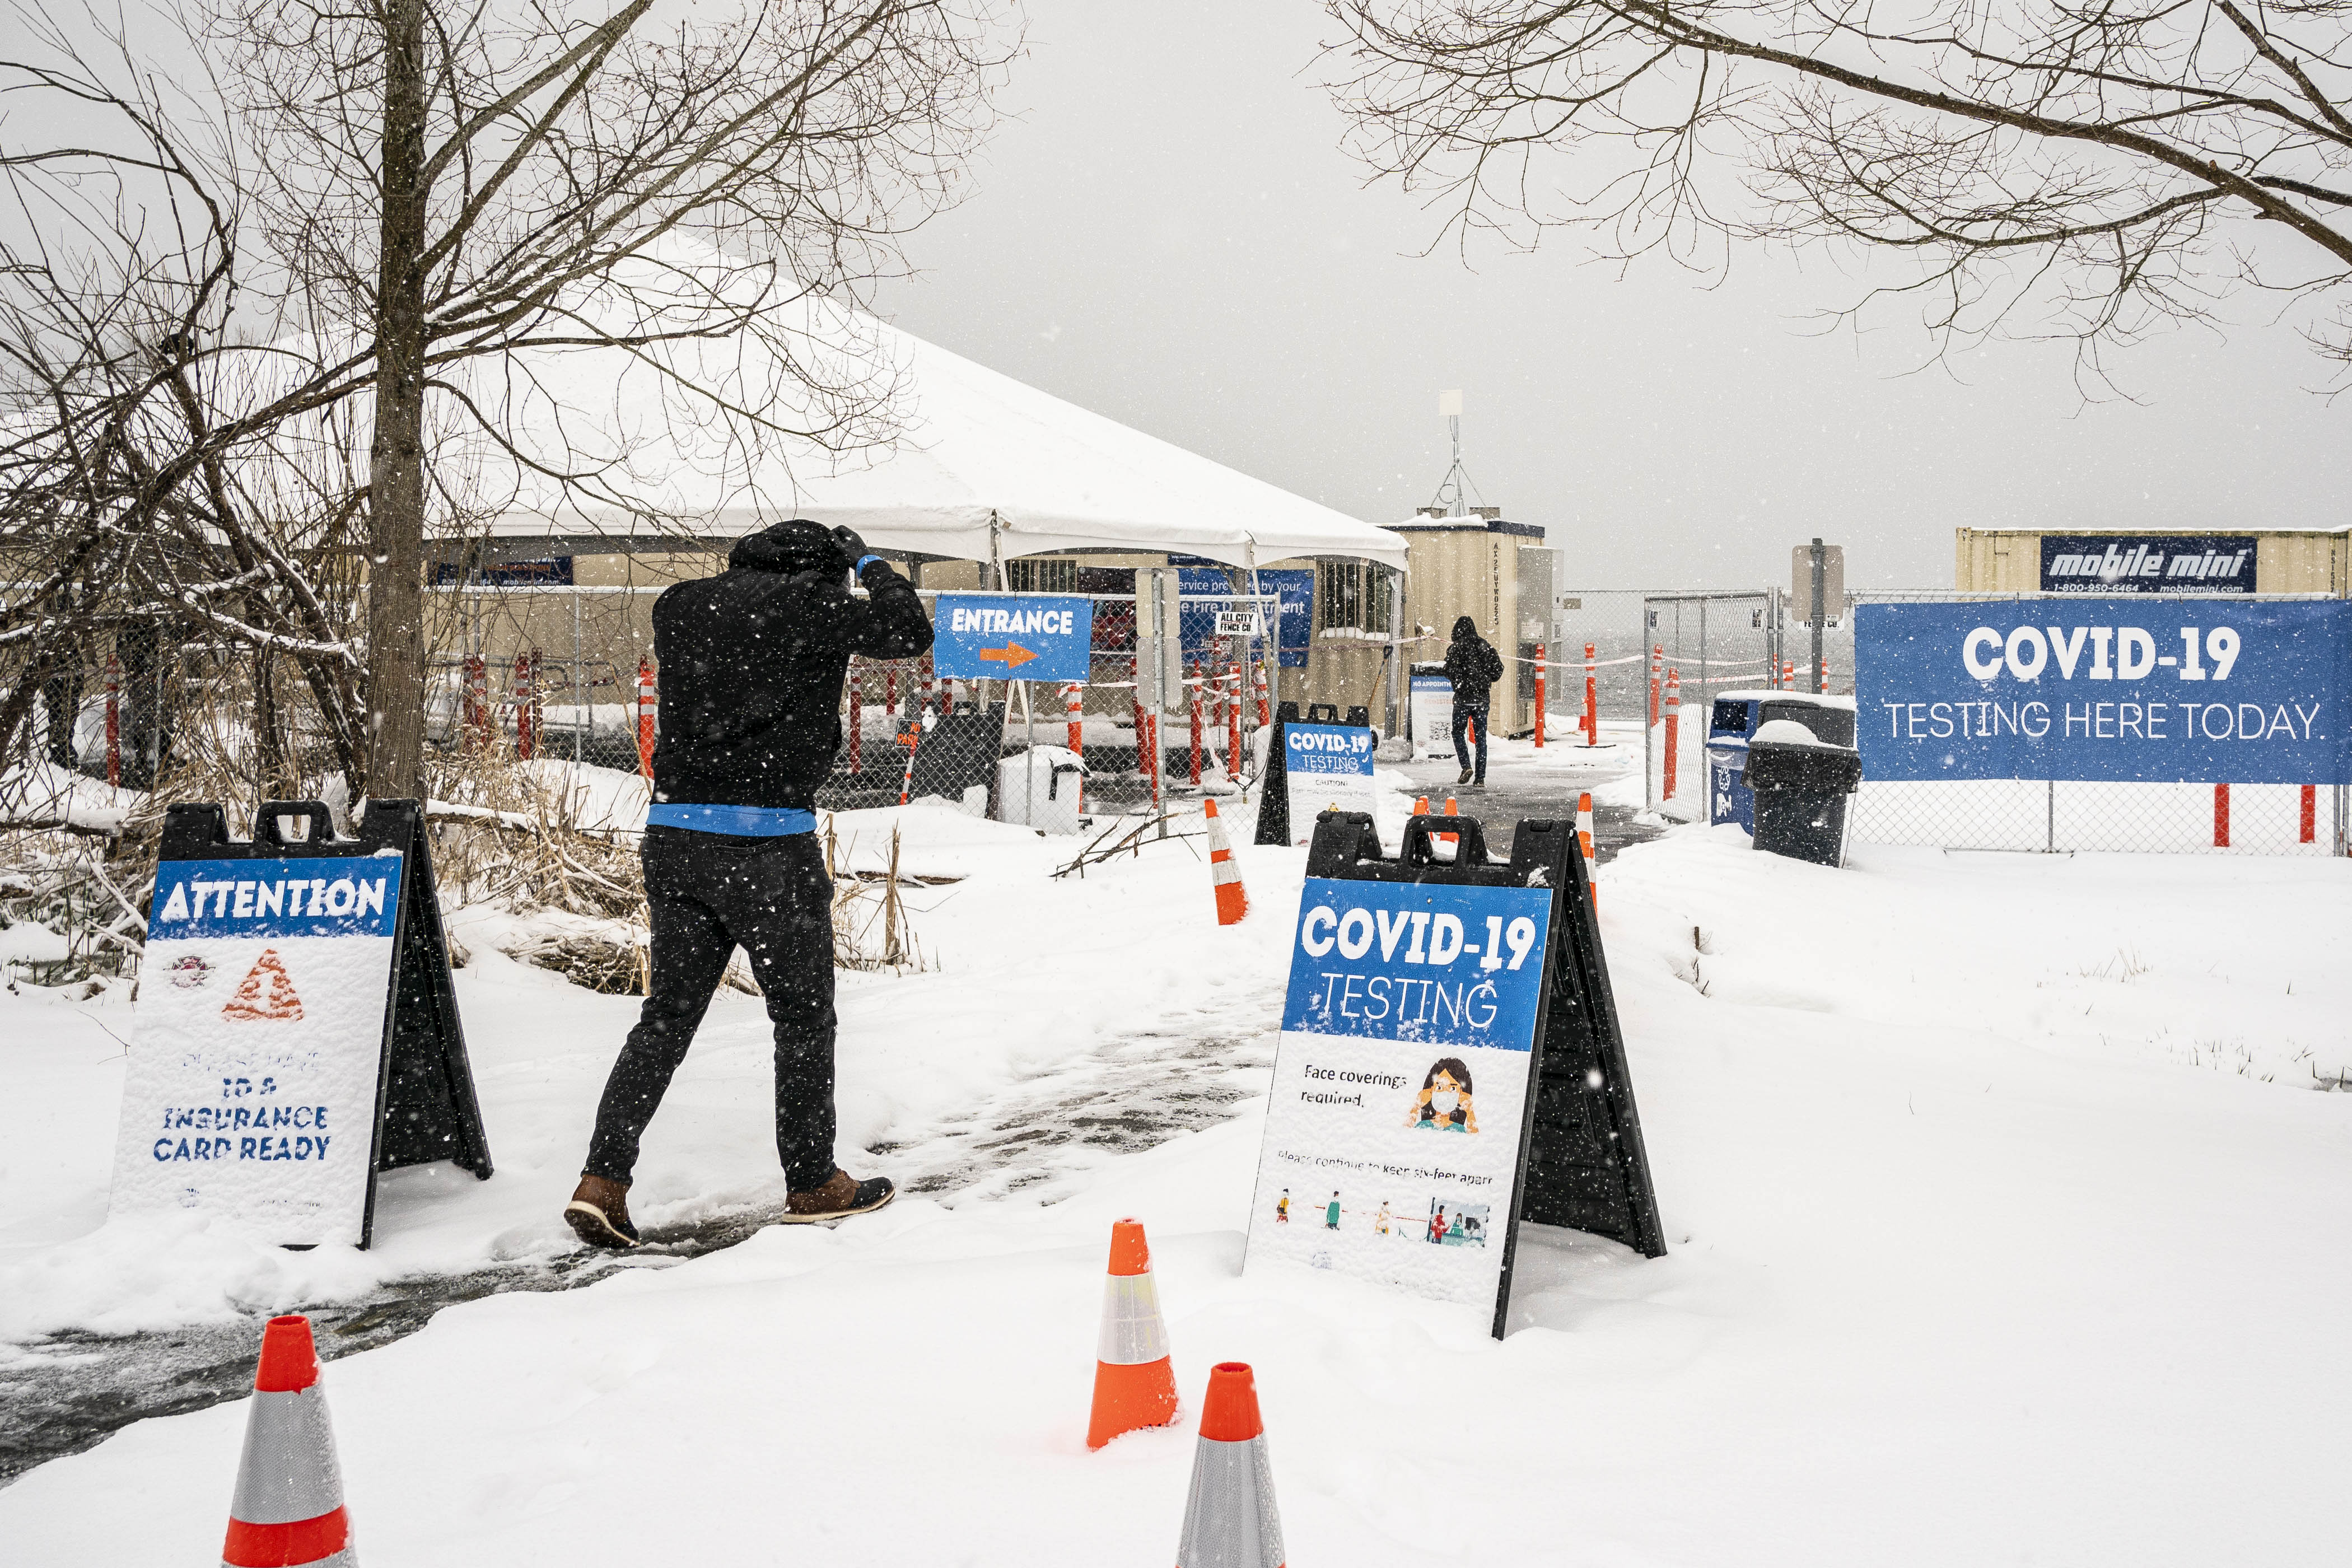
{"x":1013,"y":637}
{"x":290,"y":1007}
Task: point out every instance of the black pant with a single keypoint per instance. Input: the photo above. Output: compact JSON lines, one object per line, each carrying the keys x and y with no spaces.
{"x":1463,"y":714}
{"x":710,"y":893}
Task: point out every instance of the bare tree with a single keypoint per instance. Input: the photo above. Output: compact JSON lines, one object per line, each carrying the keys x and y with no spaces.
{"x":404,"y":203}
{"x":2081,"y":160}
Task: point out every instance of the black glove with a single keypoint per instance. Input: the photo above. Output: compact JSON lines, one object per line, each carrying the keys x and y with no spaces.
{"x":853,"y":547}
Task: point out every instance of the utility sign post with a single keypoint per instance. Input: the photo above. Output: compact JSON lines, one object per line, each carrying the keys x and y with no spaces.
{"x":1013,"y":637}
{"x":296,"y":1029}
{"x":1817,"y":587}
{"x":1449,"y":1064}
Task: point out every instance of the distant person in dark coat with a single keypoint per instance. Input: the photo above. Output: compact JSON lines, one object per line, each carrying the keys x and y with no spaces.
{"x":752,"y":663}
{"x":1473,"y":666}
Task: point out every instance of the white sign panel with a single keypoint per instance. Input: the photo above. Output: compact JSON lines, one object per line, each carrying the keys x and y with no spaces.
{"x":1238,"y":624}
{"x":1400,"y":1084}
{"x":258,"y":1042}
{"x":1432,"y":715}
{"x":1326,"y":767}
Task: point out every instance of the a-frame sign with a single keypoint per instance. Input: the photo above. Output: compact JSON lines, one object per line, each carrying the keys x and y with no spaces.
{"x":297,"y":1030}
{"x":1449,"y":1064}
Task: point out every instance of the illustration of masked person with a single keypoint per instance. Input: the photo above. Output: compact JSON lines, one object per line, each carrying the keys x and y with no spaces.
{"x":1444,"y":1104}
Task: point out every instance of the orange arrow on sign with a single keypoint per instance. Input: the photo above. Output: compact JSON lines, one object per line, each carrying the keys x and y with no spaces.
{"x":1011,"y":656}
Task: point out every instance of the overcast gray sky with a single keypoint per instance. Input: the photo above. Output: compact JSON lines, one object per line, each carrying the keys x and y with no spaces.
{"x":1168,"y":235}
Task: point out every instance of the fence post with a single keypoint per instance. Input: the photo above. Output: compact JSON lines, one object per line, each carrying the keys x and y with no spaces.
{"x":1233,"y":716}
{"x":1539,"y":694}
{"x":525,"y":702}
{"x":113,"y":722}
{"x":647,"y":698}
{"x":2220,"y":816}
{"x":1673,"y":729}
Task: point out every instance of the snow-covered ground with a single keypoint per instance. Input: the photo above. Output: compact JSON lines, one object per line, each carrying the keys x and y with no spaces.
{"x":2005,"y":1224}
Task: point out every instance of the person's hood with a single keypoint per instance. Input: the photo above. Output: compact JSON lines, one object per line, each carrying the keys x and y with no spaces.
{"x":798,"y":545}
{"x":1465,"y":628}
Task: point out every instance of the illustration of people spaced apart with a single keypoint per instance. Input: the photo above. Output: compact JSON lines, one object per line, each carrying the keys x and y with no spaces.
{"x":1282,"y":1209}
{"x":1381,"y":1220}
{"x":1331,"y":1212}
{"x":1444,"y":1104}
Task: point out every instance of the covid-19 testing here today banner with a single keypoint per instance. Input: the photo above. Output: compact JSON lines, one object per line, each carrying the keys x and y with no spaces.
{"x":2110,"y":689}
{"x":1400,"y":1084}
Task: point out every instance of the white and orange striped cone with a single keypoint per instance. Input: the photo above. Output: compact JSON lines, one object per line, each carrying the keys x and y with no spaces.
{"x":1135,"y":1384}
{"x":288,"y":1508}
{"x":1233,"y":899}
{"x":1584,"y":842}
{"x":1229,"y":1518}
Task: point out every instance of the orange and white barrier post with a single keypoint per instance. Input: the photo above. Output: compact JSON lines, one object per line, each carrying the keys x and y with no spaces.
{"x":647,"y":700}
{"x":1584,"y":842}
{"x":1264,"y":711}
{"x":1657,"y":677}
{"x":526,"y":674}
{"x":2220,"y":816}
{"x":1787,"y":675}
{"x":113,"y":722}
{"x":1591,"y":702}
{"x":1539,"y":695}
{"x":2310,"y":813}
{"x":477,"y":702}
{"x":1233,"y":899}
{"x":1234,"y":741}
{"x":1674,"y":729}
{"x":1074,"y":709}
{"x":1452,"y":808}
{"x":928,"y":690}
{"x":857,"y":717}
{"x":1230,"y":1520}
{"x":288,"y":1506}
{"x":1193,"y":695}
{"x":1135,"y":1383}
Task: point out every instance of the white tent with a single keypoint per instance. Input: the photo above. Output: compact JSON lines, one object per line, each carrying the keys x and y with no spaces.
{"x":984,"y":468}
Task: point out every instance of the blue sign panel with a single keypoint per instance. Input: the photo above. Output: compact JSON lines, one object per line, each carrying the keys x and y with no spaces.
{"x":1418,"y":961}
{"x":2148,"y":564}
{"x":313,"y":897}
{"x":1295,"y":616}
{"x":2107,"y":690}
{"x":1328,"y":749}
{"x":1013,"y":637}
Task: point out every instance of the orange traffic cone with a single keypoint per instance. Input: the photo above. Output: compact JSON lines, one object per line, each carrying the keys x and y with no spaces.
{"x":1452,"y":808}
{"x":288,"y":1507}
{"x":1134,"y":1385}
{"x":1229,"y":1518}
{"x":1584,"y":840}
{"x":1233,"y":899}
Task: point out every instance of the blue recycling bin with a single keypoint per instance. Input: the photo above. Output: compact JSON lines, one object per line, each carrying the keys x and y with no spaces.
{"x":1736,"y":716}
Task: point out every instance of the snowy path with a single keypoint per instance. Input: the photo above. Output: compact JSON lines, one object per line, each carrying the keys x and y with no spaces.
{"x":2003,"y":1212}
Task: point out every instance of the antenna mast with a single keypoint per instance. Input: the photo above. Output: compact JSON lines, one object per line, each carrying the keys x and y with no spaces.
{"x":1455,"y":488}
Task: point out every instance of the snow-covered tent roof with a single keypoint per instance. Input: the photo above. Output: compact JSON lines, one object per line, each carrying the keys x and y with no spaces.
{"x":977,"y":454}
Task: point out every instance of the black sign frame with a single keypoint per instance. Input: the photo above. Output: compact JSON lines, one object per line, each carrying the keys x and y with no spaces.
{"x":1582,"y":1163}
{"x":426,"y":1105}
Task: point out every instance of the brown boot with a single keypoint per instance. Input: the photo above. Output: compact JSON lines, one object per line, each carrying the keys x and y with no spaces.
{"x":842,"y":1195}
{"x":599,"y":1213}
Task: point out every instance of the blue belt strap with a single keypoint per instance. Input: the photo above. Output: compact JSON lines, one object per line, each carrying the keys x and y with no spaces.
{"x":741,"y":821}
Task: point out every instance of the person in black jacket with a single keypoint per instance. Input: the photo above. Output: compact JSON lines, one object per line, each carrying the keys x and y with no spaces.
{"x":1473,"y":666}
{"x":752,"y":663}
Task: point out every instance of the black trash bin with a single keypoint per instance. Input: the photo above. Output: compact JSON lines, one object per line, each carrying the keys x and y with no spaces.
{"x":1802,"y":785}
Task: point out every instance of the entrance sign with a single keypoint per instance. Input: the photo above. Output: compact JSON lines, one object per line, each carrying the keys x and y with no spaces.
{"x":2148,"y":564}
{"x":2106,"y":690}
{"x":296,"y":1030}
{"x":1013,"y":637}
{"x":1432,"y":1086}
